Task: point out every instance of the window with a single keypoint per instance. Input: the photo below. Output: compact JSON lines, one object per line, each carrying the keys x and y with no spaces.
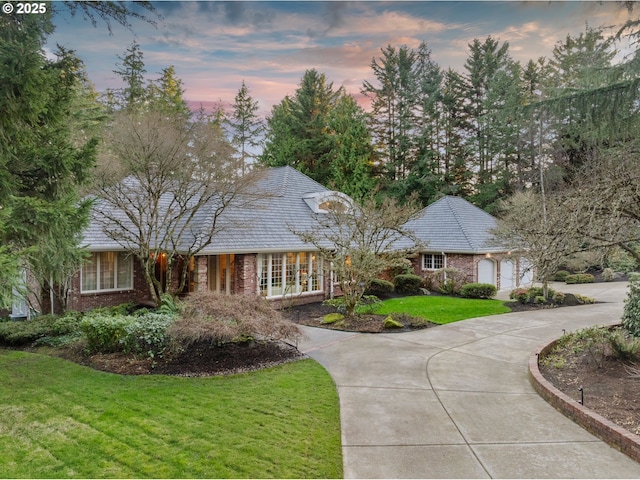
{"x":289,"y":273}
{"x":107,"y":271}
{"x":432,"y":261}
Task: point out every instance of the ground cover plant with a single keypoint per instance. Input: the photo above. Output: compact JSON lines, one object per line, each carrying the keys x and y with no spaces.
{"x":62,"y":420}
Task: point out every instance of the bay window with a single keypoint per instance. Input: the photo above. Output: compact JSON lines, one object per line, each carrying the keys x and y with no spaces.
{"x":289,"y":273}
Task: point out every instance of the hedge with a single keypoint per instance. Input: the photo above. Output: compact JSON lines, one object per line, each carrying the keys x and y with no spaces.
{"x":478,"y":290}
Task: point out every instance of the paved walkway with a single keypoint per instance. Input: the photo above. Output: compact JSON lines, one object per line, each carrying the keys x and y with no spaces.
{"x":455,"y":401}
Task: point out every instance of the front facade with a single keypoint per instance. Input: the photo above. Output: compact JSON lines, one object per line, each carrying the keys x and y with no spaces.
{"x":255,"y":252}
{"x":458,"y":235}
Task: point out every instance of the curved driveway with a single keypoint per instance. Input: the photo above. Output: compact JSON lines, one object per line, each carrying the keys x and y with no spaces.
{"x":455,"y":401}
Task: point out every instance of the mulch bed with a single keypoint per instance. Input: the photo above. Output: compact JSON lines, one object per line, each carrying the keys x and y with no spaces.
{"x":610,"y":389}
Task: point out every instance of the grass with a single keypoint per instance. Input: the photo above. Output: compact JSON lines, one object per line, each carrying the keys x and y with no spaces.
{"x":441,"y":310}
{"x":59,"y":419}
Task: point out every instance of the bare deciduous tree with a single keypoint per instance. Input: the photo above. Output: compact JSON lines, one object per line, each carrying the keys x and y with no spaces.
{"x":362,"y":241}
{"x":545,"y":239}
{"x":162,"y":186}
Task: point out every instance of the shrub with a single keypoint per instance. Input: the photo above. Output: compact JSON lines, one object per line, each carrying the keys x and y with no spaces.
{"x":217,"y":318}
{"x":623,"y":346}
{"x":608,"y":275}
{"x":24,"y":332}
{"x":147,"y":334}
{"x":122,"y":310}
{"x":368,"y":303}
{"x":579,"y":278}
{"x":631,"y":312}
{"x":450,"y":280}
{"x":391,"y":322}
{"x":539,"y":299}
{"x":621,"y":261}
{"x":534,"y":292}
{"x":104,"y":333}
{"x":558,"y":298}
{"x":519,"y":294}
{"x":561,"y":275}
{"x":407,"y":283}
{"x":478,"y":290}
{"x":330,"y":318}
{"x":378,"y":287}
{"x":583,"y":299}
{"x":634,"y":276}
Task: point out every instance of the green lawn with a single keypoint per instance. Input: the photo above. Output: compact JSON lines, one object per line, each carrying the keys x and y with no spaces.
{"x":442,"y":309}
{"x":59,"y":419}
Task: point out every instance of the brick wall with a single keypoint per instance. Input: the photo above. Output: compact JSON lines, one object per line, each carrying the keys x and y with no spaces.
{"x":246,"y":274}
{"x":469,"y":264}
{"x":86,"y":301}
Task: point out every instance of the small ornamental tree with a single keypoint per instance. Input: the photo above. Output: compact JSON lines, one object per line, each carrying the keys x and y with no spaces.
{"x":362,"y":241}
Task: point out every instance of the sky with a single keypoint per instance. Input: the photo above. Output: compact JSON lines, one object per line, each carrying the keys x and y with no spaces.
{"x":215,"y":45}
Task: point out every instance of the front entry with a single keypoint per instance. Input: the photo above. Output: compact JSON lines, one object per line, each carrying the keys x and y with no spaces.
{"x":222,"y":273}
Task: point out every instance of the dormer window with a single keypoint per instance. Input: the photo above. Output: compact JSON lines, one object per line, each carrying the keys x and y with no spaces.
{"x":323,"y":202}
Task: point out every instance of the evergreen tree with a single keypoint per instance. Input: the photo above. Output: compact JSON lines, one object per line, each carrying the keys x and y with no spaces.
{"x":41,"y":168}
{"x":167,"y":93}
{"x":246,"y":126}
{"x":351,"y":168}
{"x":132,"y":71}
{"x":393,"y":117}
{"x":298,"y":129}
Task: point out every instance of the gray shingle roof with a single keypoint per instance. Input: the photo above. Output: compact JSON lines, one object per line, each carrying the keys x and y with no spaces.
{"x":260,"y":222}
{"x":453,"y":225}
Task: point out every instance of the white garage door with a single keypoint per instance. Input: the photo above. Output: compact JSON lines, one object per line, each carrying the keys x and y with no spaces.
{"x":507,"y":275}
{"x":487,"y":271}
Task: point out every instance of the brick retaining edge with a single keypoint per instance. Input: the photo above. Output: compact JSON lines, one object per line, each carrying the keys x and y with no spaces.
{"x":616,"y":436}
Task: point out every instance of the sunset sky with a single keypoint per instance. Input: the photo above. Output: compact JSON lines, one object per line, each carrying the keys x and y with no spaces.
{"x":215,"y":45}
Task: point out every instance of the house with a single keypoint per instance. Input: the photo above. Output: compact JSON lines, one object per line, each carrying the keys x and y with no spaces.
{"x":458,"y":235}
{"x":254,"y":252}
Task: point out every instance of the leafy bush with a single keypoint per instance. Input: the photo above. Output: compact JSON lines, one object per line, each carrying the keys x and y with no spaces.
{"x":583,"y":299}
{"x":217,"y":318}
{"x":146,"y":334}
{"x":168,"y":305}
{"x":122,"y":310}
{"x":330,"y":318}
{"x":105,"y":333}
{"x":478,"y":290}
{"x":608,"y":275}
{"x":623,"y":346}
{"x":558,"y":298}
{"x":579,"y":278}
{"x":520,"y":294}
{"x":391,"y":323}
{"x":631,"y":312}
{"x":378,"y":287}
{"x":407,"y":283}
{"x":449,"y":280}
{"x":24,"y":332}
{"x":634,"y":276}
{"x":620,"y":261}
{"x":561,"y":275}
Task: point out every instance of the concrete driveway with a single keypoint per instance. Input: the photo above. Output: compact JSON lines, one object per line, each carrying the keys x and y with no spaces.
{"x":455,"y":401}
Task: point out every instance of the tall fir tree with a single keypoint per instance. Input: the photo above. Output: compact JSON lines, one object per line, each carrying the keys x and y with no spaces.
{"x":41,"y":166}
{"x":131,"y":70}
{"x":246,"y":127}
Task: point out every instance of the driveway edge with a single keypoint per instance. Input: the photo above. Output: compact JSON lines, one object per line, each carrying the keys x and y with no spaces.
{"x":616,"y":436}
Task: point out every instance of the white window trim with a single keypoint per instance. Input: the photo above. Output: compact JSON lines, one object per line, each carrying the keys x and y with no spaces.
{"x":433,"y":255}
{"x":115,"y":276}
{"x":298,"y":277}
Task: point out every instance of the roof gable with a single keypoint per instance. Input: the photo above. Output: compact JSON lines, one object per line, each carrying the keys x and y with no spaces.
{"x":452,"y":224}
